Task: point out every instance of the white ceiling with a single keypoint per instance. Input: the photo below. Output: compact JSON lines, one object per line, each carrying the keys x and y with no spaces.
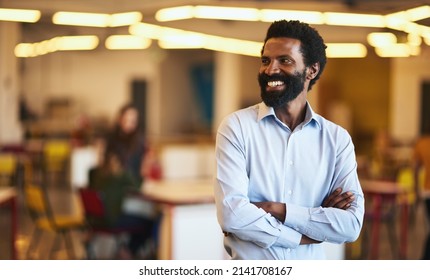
{"x":243,"y":30}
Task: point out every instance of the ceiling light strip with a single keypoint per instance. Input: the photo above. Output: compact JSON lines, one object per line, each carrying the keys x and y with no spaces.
{"x":96,"y":19}
{"x":81,"y":19}
{"x":19,"y":15}
{"x":349,"y":19}
{"x":381,"y":39}
{"x":418,"y":13}
{"x":63,"y":43}
{"x":395,"y":50}
{"x":346,"y":50}
{"x":125,"y":19}
{"x":175,"y":13}
{"x":127,"y":42}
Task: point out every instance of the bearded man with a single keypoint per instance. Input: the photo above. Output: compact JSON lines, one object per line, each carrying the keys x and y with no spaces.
{"x":286,"y":177}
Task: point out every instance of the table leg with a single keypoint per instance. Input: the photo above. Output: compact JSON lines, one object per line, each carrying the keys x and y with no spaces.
{"x":404,"y":231}
{"x":165,"y":234}
{"x":374,"y":244}
{"x":14,"y":224}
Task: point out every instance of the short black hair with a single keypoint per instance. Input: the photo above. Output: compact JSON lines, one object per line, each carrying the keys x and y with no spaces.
{"x":312,"y":44}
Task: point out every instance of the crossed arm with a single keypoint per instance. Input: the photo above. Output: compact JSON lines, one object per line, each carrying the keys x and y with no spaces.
{"x":336,"y":199}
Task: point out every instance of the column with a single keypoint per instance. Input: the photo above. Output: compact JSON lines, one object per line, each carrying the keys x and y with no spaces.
{"x":10,"y":127}
{"x":227,"y":86}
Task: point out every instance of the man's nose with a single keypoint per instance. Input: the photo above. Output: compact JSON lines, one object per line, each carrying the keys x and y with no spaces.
{"x":272,"y":68}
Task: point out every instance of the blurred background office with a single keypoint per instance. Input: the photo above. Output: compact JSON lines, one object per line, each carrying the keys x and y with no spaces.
{"x":185,"y":66}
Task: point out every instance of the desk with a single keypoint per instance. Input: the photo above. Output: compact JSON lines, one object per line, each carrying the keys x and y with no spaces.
{"x":386,"y":192}
{"x":189,"y":228}
{"x":8,"y":198}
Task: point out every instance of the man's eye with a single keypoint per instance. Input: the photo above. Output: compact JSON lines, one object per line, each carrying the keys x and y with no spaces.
{"x":286,"y":60}
{"x":264,"y":61}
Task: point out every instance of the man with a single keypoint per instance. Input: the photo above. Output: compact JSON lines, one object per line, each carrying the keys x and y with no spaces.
{"x":286,"y":177}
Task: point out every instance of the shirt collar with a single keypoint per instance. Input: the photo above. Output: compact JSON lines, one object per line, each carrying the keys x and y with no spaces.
{"x":264,"y":111}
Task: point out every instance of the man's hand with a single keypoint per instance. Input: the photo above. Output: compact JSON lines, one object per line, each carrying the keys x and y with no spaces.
{"x":276,"y":209}
{"x":339,"y":200}
{"x":336,"y":199}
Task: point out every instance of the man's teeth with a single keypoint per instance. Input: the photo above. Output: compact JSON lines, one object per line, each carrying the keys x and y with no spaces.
{"x":275,"y":83}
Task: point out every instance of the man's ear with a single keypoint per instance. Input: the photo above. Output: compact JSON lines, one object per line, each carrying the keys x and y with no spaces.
{"x":313,"y":71}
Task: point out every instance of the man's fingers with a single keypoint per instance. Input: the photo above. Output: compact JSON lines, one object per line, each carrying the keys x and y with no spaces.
{"x":330,"y":200}
{"x":344,"y":201}
{"x":339,"y":200}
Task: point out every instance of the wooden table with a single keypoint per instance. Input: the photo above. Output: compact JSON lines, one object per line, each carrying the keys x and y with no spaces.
{"x":189,"y":228}
{"x":386,"y":193}
{"x":179,"y":192}
{"x":8,"y":199}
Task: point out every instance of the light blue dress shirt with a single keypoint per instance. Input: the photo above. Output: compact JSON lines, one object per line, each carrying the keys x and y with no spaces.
{"x":260,"y":159}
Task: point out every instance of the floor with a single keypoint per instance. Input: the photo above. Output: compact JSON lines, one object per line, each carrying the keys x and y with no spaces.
{"x":64,"y":200}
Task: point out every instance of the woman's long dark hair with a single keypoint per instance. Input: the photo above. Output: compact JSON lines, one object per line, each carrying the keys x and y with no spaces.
{"x":129,"y":147}
{"x":128,"y":140}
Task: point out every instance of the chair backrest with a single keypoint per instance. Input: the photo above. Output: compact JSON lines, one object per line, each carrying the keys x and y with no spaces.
{"x":8,"y":166}
{"x":57,"y":148}
{"x":56,"y":154}
{"x":92,"y":203}
{"x":7,"y":163}
{"x":93,"y":206}
{"x":406,"y":180}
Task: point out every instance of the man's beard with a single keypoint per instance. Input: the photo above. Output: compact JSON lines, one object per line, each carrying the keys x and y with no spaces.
{"x":294,"y":85}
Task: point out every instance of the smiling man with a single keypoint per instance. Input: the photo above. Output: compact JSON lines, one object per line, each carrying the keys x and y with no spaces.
{"x":286,"y":177}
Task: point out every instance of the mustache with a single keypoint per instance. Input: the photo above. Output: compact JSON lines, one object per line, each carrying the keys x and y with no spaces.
{"x":264,"y":78}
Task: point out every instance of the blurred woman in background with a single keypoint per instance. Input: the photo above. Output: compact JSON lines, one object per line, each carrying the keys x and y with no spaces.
{"x":127,"y":144}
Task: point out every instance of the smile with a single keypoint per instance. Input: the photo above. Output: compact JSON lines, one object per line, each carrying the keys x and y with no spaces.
{"x":275,"y":83}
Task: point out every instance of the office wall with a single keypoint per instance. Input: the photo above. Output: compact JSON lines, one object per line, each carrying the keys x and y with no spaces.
{"x":249,"y":88}
{"x":98,"y":82}
{"x":362,"y":87}
{"x":180,"y":106}
{"x":407,"y":77}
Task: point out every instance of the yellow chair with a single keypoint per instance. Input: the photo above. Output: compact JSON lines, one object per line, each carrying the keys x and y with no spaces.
{"x":8,"y":167}
{"x":56,"y":157}
{"x":405,"y":179}
{"x":56,"y":152}
{"x":40,"y":210}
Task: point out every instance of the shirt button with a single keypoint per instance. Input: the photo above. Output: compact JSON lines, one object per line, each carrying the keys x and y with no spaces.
{"x":291,"y":162}
{"x":290,"y":192}
{"x":288,"y":250}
